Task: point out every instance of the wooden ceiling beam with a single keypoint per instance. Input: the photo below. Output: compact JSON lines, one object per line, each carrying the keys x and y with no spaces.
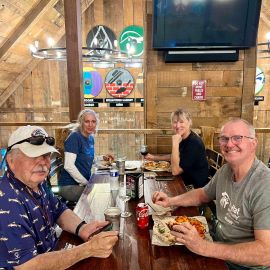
{"x":34,"y":62}
{"x":29,"y":19}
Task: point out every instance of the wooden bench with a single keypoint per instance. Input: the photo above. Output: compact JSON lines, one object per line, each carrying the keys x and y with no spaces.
{"x":215,"y":161}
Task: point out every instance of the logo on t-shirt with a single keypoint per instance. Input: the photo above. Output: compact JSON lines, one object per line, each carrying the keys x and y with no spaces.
{"x":225,"y":200}
{"x":233,"y":212}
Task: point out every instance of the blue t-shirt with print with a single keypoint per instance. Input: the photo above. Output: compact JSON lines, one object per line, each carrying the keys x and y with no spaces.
{"x":83,"y":147}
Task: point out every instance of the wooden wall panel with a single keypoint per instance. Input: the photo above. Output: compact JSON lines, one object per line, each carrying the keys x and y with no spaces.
{"x":128,"y":12}
{"x":229,"y":89}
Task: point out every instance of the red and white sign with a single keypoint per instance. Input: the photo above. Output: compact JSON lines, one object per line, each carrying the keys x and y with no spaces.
{"x":198,"y":89}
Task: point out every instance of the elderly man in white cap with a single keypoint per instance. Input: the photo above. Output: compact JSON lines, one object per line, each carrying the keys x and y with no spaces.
{"x":29,"y":212}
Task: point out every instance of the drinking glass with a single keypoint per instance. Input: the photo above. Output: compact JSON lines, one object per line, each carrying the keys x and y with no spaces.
{"x":125,"y":195}
{"x":144,"y":152}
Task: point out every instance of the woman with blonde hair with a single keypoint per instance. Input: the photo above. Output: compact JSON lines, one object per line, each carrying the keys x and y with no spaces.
{"x":188,"y":156}
{"x":79,"y":154}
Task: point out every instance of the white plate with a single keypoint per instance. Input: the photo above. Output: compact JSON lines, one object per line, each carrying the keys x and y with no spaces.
{"x":130,"y":168}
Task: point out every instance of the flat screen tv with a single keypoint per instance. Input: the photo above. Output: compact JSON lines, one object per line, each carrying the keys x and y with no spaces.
{"x":205,"y":24}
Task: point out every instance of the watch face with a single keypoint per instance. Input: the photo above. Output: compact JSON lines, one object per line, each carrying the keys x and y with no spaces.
{"x":260,"y":80}
{"x":119,"y":83}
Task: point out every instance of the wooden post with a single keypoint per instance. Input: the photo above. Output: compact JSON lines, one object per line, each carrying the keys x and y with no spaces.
{"x":74,"y":56}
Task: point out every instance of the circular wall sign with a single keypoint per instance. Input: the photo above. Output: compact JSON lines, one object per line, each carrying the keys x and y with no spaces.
{"x":260,"y":80}
{"x":132,"y":37}
{"x":92,"y":82}
{"x":119,"y":83}
{"x":101,"y":36}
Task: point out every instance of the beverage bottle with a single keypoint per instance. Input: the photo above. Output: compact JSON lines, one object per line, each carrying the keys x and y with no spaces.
{"x":114,"y":175}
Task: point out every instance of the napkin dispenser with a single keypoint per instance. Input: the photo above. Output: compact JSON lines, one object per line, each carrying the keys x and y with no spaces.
{"x":135,"y":180}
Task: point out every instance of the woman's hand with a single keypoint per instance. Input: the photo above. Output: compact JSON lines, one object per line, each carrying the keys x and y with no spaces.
{"x":150,"y":157}
{"x":176,"y":139}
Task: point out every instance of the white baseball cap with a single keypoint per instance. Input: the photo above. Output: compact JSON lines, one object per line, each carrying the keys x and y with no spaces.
{"x":31,"y":149}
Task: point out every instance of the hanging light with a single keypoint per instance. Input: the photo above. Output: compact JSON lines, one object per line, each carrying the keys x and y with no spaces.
{"x":99,"y":57}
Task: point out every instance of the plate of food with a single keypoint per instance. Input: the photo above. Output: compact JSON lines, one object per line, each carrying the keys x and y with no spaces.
{"x":163,"y":224}
{"x":160,"y":166}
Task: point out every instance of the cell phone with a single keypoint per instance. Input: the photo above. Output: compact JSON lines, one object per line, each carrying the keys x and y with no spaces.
{"x":107,"y":227}
{"x":164,"y":178}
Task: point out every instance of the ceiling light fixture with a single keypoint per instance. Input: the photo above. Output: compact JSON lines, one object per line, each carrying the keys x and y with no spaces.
{"x":99,"y":57}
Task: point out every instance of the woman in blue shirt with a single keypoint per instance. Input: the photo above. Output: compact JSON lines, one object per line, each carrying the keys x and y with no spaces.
{"x":79,"y":155}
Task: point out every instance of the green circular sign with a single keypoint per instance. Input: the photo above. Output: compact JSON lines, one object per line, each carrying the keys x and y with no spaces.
{"x":131,"y":40}
{"x":260,"y":80}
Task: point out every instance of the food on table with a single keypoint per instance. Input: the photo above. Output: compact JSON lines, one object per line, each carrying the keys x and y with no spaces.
{"x":200,"y":227}
{"x":106,"y":162}
{"x":162,"y":228}
{"x":163,"y":233}
{"x":157,"y":166}
{"x":109,"y":158}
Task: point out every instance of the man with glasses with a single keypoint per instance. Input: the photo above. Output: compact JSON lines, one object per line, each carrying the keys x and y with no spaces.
{"x":29,"y":211}
{"x":241,"y":189}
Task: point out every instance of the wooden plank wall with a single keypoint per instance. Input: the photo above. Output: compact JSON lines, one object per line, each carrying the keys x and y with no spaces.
{"x":43,"y":96}
{"x":261,"y":111}
{"x":230,"y":89}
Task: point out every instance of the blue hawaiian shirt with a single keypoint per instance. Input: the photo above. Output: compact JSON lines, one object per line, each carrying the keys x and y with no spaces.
{"x":27,"y":221}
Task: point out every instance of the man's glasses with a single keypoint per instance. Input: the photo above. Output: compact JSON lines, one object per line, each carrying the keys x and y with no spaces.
{"x":236,"y":139}
{"x":35,"y":140}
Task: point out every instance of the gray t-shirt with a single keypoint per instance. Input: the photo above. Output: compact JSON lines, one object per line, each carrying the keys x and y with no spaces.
{"x":241,"y":207}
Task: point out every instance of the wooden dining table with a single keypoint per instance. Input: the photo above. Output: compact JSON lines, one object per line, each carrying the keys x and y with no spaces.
{"x":134,"y":250}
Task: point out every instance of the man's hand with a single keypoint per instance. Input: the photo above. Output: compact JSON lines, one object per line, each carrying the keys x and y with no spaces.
{"x":161,"y":198}
{"x":87,"y":229}
{"x":187,"y":234}
{"x":101,"y":245}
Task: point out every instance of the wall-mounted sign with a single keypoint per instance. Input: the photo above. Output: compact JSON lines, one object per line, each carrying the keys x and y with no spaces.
{"x":260,"y":80}
{"x":119,"y":83}
{"x":259,"y":98}
{"x":132,"y":38}
{"x":198,"y":89}
{"x":93,"y":102}
{"x":101,"y":36}
{"x":92,"y":82}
